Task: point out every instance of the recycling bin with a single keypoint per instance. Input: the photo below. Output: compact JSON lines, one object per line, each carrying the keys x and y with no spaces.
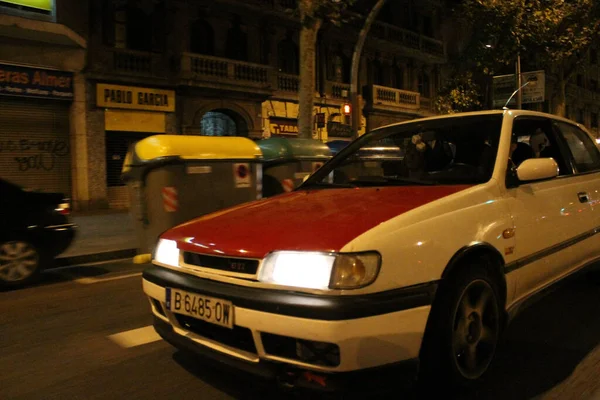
{"x":337,"y":145}
{"x":288,"y":161}
{"x":174,"y":178}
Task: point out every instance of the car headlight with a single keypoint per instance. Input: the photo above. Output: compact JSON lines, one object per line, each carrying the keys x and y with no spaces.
{"x":311,"y":270}
{"x":166,"y":252}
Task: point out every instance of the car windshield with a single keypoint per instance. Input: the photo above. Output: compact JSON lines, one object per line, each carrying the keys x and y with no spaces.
{"x":454,"y":150}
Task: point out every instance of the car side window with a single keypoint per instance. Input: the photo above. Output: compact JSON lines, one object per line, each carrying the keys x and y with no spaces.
{"x":536,"y":138}
{"x":583,"y":150}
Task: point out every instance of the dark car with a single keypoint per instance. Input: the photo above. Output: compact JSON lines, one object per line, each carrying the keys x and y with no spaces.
{"x":34,"y":228}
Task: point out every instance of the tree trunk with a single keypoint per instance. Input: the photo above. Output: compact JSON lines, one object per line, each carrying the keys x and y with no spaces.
{"x":560,"y":96}
{"x":306,"y":95}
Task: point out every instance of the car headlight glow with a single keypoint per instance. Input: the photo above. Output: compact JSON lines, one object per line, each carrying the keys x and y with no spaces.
{"x":312,"y":270}
{"x":167,"y":253}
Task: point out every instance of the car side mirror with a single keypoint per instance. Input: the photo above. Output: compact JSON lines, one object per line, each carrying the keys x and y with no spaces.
{"x":535,"y":169}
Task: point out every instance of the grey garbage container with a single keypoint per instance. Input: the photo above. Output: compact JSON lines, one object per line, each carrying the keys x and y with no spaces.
{"x":175,"y":178}
{"x":288,"y":161}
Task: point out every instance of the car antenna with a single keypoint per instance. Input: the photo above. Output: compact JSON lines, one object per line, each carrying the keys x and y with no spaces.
{"x":513,"y":95}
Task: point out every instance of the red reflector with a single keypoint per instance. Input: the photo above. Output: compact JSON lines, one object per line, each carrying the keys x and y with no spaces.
{"x":64,"y":208}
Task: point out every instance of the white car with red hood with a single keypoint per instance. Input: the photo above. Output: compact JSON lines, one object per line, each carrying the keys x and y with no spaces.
{"x":410,"y":249}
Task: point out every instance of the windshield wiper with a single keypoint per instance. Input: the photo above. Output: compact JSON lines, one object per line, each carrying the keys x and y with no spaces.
{"x":388,"y":180}
{"x":324,"y":185}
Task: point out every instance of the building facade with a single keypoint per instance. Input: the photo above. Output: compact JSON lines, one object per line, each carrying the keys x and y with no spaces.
{"x":42,"y":56}
{"x":230,"y":67}
{"x":123,"y":70}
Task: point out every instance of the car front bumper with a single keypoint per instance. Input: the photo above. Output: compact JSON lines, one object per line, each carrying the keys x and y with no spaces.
{"x":368,"y":332}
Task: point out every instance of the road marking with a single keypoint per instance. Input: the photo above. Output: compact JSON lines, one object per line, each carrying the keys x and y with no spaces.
{"x":135,"y":337}
{"x":89,"y":281}
{"x":67,"y":267}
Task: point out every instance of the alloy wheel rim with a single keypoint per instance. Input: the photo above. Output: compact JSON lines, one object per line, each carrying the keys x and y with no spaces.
{"x":475,"y":329}
{"x":18,"y":261}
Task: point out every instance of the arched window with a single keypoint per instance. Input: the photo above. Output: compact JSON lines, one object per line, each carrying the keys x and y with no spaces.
{"x":398,"y":77}
{"x":424,"y":84}
{"x":340,"y":68}
{"x":202,"y":38}
{"x":378,"y":78}
{"x":288,"y":55}
{"x":215,"y":123}
{"x":139,"y":28}
{"x":236,"y":46}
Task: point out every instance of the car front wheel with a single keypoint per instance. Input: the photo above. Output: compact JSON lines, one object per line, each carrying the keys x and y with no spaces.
{"x":464,"y":327}
{"x":20,"y":263}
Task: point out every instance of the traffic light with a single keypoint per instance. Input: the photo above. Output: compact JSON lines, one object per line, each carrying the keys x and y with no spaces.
{"x":347,"y":109}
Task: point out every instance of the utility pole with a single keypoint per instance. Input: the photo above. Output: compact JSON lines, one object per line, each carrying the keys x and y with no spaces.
{"x":518,"y":65}
{"x":356,"y":111}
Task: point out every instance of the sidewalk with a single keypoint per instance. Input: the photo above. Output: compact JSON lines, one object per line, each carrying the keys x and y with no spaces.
{"x":101,"y":236}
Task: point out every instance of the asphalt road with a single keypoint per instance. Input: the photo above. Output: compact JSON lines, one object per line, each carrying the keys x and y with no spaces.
{"x":83,"y":333}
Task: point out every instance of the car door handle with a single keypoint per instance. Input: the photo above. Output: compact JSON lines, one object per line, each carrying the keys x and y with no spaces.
{"x":583,"y":197}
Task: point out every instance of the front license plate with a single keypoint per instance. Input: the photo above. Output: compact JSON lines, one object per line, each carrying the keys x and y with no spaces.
{"x":209,"y":309}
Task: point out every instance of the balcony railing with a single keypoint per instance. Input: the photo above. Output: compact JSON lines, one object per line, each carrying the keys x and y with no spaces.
{"x":221,"y":70}
{"x":288,"y":83}
{"x":408,"y":39}
{"x":387,"y":96}
{"x":336,"y":90}
{"x":128,"y":62}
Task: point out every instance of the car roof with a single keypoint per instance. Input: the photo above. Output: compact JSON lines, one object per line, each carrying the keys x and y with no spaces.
{"x":485,"y":112}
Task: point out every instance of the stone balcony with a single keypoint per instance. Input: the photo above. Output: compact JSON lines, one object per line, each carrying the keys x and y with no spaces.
{"x":225,"y":74}
{"x":387,"y":99}
{"x":289,"y":84}
{"x":128,"y":63}
{"x":411,"y":41}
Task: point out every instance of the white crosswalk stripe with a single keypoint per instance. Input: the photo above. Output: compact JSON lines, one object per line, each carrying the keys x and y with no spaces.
{"x":135,"y":337}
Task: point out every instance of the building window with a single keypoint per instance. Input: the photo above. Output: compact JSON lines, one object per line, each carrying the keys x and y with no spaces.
{"x":378,"y":78}
{"x":236,"y":47}
{"x":580,"y":80}
{"x":580,"y":116}
{"x":139,"y":31}
{"x":424,"y":83}
{"x":398,"y":76}
{"x":594,"y":85}
{"x":427,"y":26}
{"x":288,"y":55}
{"x":202,"y":38}
{"x":340,"y":67}
{"x":594,"y":122}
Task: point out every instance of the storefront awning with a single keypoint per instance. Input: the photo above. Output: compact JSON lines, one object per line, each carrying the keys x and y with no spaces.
{"x":39,"y":31}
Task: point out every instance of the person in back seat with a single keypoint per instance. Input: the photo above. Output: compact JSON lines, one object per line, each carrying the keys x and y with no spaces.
{"x":520,"y":152}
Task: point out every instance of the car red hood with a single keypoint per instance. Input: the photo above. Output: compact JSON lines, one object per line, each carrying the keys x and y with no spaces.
{"x":313,"y":220}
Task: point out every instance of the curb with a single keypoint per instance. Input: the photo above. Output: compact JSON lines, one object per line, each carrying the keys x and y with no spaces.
{"x":96,"y":257}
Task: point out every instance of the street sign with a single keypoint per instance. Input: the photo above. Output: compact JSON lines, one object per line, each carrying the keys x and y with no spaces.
{"x":534,"y":92}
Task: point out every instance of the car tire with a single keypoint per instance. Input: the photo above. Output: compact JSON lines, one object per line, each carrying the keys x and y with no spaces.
{"x":464,"y":328}
{"x":20,"y":263}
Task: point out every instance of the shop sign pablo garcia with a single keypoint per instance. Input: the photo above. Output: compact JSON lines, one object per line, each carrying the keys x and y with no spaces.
{"x":135,"y":98}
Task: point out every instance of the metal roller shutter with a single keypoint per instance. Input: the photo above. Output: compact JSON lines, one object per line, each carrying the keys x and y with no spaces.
{"x":34,"y":144}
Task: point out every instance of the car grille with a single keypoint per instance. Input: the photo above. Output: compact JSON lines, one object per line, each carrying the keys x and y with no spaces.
{"x":237,"y":265}
{"x":238,"y":337}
